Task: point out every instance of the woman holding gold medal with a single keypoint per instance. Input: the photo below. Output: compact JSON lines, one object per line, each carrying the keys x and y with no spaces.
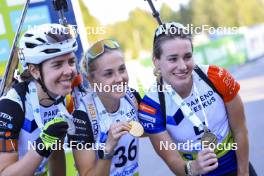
{"x":112,"y":110}
{"x":196,"y":108}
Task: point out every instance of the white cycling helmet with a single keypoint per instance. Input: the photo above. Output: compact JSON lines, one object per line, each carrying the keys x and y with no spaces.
{"x":44,"y":42}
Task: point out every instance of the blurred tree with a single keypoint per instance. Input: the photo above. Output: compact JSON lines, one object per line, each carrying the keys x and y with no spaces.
{"x":185,"y":14}
{"x":134,"y":34}
{"x":182,"y":16}
{"x":226,"y":12}
{"x":249,"y":12}
{"x":143,"y":25}
{"x":167,"y":14}
{"x":92,"y":24}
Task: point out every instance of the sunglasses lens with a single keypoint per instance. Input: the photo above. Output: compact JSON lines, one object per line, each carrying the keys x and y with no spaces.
{"x":110,"y":44}
{"x":98,"y":48}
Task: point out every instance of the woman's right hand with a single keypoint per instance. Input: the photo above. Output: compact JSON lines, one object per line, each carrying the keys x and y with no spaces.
{"x":206,"y":161}
{"x":53,"y":131}
{"x":115,"y":132}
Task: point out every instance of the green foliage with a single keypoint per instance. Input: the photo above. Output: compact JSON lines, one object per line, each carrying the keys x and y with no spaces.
{"x":227,"y":12}
{"x":136,"y":33}
{"x":167,"y":14}
{"x":184,"y":15}
{"x":91,"y":22}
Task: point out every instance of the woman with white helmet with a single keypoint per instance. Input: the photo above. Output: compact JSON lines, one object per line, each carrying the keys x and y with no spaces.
{"x":32,"y":113}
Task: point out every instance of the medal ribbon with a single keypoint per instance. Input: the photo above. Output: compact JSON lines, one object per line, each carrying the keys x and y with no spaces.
{"x":188,"y":113}
{"x":33,"y":97}
{"x":103,"y":116}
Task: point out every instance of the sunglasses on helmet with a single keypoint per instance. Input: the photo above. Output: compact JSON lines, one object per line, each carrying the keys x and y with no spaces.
{"x":99,"y":48}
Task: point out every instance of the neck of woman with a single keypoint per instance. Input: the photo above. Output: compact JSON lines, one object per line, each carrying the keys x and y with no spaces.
{"x":111,"y":105}
{"x":44,"y":99}
{"x":185,"y":90}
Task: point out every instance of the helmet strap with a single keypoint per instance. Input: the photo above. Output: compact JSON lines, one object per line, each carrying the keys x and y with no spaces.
{"x":43,"y":86}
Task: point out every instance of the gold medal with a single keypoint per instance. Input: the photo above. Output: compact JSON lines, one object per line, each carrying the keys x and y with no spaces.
{"x":209,"y":138}
{"x":136,"y":129}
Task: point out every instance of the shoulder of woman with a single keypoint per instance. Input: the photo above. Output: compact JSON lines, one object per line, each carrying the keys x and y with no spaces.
{"x":135,"y":93}
{"x":224,"y":82}
{"x":13,"y":95}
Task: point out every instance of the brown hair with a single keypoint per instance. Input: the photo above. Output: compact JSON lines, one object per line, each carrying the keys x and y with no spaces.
{"x":157,"y":44}
{"x":26,"y":76}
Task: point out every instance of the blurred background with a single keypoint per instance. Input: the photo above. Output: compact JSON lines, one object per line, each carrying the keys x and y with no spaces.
{"x":228,"y":33}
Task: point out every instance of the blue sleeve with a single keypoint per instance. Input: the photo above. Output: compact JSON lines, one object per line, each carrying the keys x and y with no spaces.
{"x":150,"y":116}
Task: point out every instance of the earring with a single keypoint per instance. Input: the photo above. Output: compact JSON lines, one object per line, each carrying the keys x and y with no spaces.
{"x":157,"y":73}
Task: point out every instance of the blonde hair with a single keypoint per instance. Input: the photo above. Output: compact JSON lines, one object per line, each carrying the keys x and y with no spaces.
{"x":83,"y":65}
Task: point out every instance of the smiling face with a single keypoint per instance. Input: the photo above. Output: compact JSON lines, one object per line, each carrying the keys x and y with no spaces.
{"x":58,"y":74}
{"x":176,"y":63}
{"x":110,"y":74}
